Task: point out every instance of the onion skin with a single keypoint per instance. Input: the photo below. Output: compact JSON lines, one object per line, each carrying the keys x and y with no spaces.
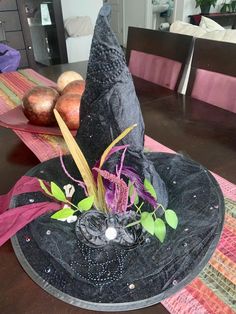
{"x":68,"y":106}
{"x":38,"y":104}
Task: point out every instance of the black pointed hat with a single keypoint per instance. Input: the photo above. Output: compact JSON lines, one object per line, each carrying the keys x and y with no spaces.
{"x":110,"y":105}
{"x":77,"y":262}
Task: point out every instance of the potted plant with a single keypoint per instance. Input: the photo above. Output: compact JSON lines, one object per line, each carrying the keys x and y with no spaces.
{"x":205,"y":5}
{"x":228,"y":7}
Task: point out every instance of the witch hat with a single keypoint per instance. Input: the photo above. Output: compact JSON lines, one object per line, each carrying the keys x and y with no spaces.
{"x":109,"y":105}
{"x":102,"y":261}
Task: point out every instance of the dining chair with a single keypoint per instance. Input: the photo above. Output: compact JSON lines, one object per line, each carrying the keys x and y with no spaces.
{"x":157,"y":56}
{"x":213,"y":73}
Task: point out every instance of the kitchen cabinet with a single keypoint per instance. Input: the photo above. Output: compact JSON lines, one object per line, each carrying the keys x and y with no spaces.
{"x":11,"y":30}
{"x":36,"y":29}
{"x":43,"y":29}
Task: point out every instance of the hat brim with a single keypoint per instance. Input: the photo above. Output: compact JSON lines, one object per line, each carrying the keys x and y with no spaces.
{"x":137,"y":278}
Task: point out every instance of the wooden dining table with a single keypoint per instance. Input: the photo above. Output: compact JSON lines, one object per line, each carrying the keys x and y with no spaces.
{"x":203,"y":132}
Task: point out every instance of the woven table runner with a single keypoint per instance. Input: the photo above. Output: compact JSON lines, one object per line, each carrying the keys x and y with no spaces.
{"x":214,"y":290}
{"x":13,"y":86}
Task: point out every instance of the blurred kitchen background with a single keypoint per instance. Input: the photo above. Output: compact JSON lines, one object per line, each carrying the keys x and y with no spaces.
{"x":47,"y":32}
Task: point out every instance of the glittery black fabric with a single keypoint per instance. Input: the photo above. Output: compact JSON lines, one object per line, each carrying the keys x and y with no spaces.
{"x":136,"y":270}
{"x":91,"y":229}
{"x":112,"y":275}
{"x":109,"y":105}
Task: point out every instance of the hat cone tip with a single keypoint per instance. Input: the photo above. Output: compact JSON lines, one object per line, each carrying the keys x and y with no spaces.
{"x":105,"y":10}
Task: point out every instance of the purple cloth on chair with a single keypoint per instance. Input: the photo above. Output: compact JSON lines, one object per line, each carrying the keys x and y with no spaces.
{"x":9,"y":59}
{"x":155,"y":69}
{"x":216,"y":89}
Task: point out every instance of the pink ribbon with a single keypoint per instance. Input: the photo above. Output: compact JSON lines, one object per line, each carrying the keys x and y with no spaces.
{"x":14,"y":219}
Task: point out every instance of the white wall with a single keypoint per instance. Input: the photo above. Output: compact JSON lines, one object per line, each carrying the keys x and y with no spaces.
{"x":136,"y":13}
{"x":78,"y":49}
{"x":81,"y":8}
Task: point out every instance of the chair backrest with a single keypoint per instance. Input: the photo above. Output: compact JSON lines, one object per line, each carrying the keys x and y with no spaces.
{"x":157,"y":56}
{"x":213,"y":73}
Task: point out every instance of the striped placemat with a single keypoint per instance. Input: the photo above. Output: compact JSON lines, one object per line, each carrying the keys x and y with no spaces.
{"x":214,"y":290}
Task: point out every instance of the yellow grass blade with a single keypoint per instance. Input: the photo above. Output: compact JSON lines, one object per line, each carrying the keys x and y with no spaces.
{"x":79,"y":159}
{"x":101,"y":193}
{"x":119,"y":138}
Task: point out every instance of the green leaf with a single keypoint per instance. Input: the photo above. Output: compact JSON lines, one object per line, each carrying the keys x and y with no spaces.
{"x":160,"y":229}
{"x":149,"y":187}
{"x":57,"y":192}
{"x":86,"y":203}
{"x":63,"y":213}
{"x":136,"y":200}
{"x":171,"y":218}
{"x":147,"y":222}
{"x":44,"y":188}
{"x":132,"y":190}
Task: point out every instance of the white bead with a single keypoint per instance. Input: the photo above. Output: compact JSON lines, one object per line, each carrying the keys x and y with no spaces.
{"x":131,"y":286}
{"x":111,"y":233}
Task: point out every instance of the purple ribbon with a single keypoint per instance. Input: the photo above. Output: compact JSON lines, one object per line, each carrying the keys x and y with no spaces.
{"x":14,"y":219}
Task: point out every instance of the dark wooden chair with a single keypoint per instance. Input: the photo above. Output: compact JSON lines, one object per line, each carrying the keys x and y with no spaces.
{"x":158,"y":57}
{"x":213,"y":73}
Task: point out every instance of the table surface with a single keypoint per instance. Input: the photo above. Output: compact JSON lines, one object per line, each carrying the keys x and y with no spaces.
{"x":204,"y":132}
